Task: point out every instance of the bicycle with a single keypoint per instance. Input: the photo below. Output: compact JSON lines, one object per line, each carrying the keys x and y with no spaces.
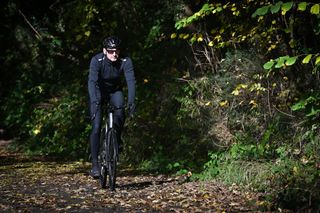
{"x":109,"y":151}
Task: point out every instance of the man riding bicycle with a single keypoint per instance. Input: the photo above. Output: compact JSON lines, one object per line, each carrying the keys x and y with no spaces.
{"x":105,"y":84}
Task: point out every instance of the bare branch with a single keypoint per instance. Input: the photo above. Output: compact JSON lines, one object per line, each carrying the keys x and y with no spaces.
{"x":30,"y":25}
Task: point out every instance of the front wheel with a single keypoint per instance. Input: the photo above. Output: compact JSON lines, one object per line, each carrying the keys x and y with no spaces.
{"x":112,"y":158}
{"x":103,"y":159}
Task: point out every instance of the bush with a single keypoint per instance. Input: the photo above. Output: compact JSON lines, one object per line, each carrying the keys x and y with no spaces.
{"x":295,"y":185}
{"x":58,"y":126}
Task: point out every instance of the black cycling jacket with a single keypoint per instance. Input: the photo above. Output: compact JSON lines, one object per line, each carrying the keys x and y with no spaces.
{"x":105,"y":77}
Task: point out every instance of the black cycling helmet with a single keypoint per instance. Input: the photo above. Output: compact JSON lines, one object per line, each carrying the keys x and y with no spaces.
{"x":112,"y":42}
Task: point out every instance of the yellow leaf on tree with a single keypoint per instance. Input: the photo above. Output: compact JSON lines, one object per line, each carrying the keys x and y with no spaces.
{"x":87,"y":33}
{"x":181,"y":35}
{"x":36,"y":131}
{"x":318,"y":60}
{"x":210,"y":43}
{"x":173,"y":35}
{"x":315,"y":9}
{"x":307,"y":59}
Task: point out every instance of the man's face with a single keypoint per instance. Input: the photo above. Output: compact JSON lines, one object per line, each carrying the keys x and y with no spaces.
{"x":112,"y":54}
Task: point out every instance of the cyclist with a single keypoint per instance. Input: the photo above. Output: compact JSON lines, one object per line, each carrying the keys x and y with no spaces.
{"x":105,"y":84}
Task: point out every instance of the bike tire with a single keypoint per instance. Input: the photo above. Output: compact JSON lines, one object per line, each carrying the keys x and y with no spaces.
{"x":112,"y":158}
{"x":103,"y":159}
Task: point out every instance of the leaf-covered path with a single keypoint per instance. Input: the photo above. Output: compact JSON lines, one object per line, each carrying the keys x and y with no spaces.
{"x":42,"y":185}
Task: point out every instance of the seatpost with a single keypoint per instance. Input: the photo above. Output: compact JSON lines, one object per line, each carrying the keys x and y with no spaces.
{"x":110,"y":119}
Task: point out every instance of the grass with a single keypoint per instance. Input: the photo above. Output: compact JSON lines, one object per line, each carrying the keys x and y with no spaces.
{"x":249,"y":174}
{"x":252,"y":175}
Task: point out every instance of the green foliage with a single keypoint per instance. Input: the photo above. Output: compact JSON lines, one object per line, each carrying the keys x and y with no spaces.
{"x":229,"y":169}
{"x":295,"y":184}
{"x":285,"y":61}
{"x":284,"y":7}
{"x":291,"y":177}
{"x":247,"y":152}
{"x":57,"y":126}
{"x":212,"y":166}
{"x":60,"y":127}
{"x":311,"y":106}
{"x":204,"y":11}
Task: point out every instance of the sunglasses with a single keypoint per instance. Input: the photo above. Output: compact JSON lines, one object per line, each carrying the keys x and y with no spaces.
{"x":113,"y":51}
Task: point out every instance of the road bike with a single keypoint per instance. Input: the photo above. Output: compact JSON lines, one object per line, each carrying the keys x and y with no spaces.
{"x":109,"y":151}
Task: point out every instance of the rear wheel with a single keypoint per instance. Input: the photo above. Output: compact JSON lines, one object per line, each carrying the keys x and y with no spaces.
{"x":103,"y":159}
{"x":112,"y":158}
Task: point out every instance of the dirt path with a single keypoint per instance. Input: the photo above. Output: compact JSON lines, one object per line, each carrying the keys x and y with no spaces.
{"x":40,"y":185}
